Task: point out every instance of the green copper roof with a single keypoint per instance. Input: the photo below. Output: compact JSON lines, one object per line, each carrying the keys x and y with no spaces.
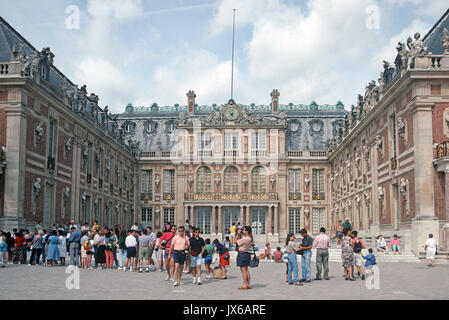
{"x":252,"y":108}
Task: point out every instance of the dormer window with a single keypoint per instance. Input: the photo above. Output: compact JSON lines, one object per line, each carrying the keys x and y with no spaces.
{"x":127,"y":128}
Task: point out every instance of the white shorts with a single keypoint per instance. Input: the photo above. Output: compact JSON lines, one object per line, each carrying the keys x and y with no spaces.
{"x":431,"y":253}
{"x":358,"y":259}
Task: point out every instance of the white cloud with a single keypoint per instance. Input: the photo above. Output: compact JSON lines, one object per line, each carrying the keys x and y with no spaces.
{"x":114,"y":9}
{"x":106,"y":80}
{"x":195,"y":69}
{"x":389,"y":52}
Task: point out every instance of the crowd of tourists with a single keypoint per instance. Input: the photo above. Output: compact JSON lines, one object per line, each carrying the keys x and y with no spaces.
{"x":178,"y":250}
{"x":181,"y":249}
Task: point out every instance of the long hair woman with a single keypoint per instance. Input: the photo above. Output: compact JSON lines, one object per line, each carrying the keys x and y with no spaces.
{"x":244,"y":257}
{"x":101,"y":253}
{"x":292,"y":265}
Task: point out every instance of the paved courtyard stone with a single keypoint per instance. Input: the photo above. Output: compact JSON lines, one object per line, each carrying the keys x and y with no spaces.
{"x":397,"y":281}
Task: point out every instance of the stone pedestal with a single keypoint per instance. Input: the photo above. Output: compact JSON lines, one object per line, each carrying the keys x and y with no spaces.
{"x":444,"y":243}
{"x":420,"y":230}
{"x":9,"y":223}
{"x":374,"y":230}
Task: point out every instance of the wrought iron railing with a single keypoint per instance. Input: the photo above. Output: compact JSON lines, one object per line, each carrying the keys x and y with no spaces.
{"x":318,"y":196}
{"x":294,"y":196}
{"x":146,"y":196}
{"x":169,"y":196}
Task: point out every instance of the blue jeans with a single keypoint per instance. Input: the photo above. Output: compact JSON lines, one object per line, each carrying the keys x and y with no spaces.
{"x":305,"y":264}
{"x":74,"y":253}
{"x":292,"y":266}
{"x":121,"y":255}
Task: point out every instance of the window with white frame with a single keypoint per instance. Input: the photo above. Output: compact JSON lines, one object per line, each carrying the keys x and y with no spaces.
{"x":146,"y":218}
{"x":204,"y":180}
{"x":231,"y":141}
{"x":318,"y":184}
{"x":294,"y":184}
{"x":294,"y":220}
{"x":169,"y":181}
{"x":204,"y":140}
{"x":146,"y":182}
{"x":169,"y":215}
{"x":258,"y":140}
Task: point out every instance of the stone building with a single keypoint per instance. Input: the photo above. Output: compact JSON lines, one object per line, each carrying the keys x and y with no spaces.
{"x":277,"y":167}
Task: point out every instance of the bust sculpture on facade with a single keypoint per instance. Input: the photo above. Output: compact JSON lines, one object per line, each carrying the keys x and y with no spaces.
{"x":217,"y":182}
{"x":445,"y":41}
{"x":403,"y":187}
{"x":66,"y":195}
{"x":37,"y":187}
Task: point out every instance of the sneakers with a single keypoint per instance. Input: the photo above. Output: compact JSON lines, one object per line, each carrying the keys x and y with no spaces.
{"x":175,"y":284}
{"x":167,"y":278}
{"x":194,"y":280}
{"x":131,"y":269}
{"x":172,"y":279}
{"x":147,"y":270}
{"x":199,"y":281}
{"x":207,"y":276}
{"x":140,"y":270}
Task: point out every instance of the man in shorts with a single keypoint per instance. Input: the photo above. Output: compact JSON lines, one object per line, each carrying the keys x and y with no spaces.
{"x":339,"y":232}
{"x":166,"y":241}
{"x":179,"y":246}
{"x":144,"y":242}
{"x":130,"y":243}
{"x":197,"y":246}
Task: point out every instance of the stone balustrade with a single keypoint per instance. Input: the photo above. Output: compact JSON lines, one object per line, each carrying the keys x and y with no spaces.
{"x":307,"y":154}
{"x":9,"y":69}
{"x":222,"y":196}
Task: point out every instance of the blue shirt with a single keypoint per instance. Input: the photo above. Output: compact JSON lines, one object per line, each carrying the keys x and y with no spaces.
{"x":370,"y":260}
{"x":75,"y":236}
{"x":221,"y":248}
{"x":3,"y":246}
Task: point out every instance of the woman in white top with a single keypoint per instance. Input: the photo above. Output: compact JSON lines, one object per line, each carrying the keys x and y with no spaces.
{"x":62,"y":246}
{"x":431,"y":249}
{"x":382,"y":244}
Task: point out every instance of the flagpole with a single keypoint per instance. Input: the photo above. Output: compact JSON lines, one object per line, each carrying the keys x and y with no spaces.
{"x":232,"y":71}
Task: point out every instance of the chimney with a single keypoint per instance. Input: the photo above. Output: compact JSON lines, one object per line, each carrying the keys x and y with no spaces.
{"x":191,"y":101}
{"x":275,"y":100}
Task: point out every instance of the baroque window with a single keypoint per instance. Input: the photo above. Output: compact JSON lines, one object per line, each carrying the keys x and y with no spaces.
{"x":294,"y":220}
{"x":318,"y":184}
{"x":259,"y":180}
{"x":203,"y":180}
{"x":294,"y":184}
{"x":231,"y":180}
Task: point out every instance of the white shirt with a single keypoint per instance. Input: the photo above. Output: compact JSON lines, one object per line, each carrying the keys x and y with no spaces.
{"x":96,"y":238}
{"x":134,"y":227}
{"x":431,"y":243}
{"x":130,"y":241}
{"x":152,"y":238}
{"x":381,"y":242}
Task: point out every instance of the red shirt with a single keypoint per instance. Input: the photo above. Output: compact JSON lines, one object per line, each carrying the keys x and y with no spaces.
{"x":18,"y":241}
{"x":168,"y":237}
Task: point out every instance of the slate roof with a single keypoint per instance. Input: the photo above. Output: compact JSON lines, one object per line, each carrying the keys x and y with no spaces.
{"x":433,"y":38}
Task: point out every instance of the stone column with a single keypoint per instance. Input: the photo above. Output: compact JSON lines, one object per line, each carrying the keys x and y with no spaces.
{"x":241,"y":215}
{"x":213,"y":222}
{"x":14,"y":196}
{"x":443,"y":166}
{"x":220,"y":226}
{"x":186,"y":213}
{"x":76,"y":165}
{"x":276,"y":220}
{"x":425,"y":221}
{"x":248,"y":220}
{"x":270,"y":210}
{"x":192,"y":215}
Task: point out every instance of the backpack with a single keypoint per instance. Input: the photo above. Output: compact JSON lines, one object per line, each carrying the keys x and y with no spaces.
{"x":87,"y":246}
{"x":357,"y":247}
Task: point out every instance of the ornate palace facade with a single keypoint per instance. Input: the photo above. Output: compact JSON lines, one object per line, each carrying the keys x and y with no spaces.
{"x":275,"y":167}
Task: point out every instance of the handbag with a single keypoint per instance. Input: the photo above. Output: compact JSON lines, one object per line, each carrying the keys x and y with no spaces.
{"x":254,"y":262}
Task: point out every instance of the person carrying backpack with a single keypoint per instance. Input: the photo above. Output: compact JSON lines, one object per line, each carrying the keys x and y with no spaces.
{"x":357,"y":246}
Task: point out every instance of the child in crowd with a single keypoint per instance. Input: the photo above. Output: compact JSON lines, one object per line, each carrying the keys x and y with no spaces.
{"x":278,"y":255}
{"x":227,"y":243}
{"x":208,"y":251}
{"x":370,"y":261}
{"x":395,"y":244}
{"x":267,"y":252}
{"x":159,"y":252}
{"x":3,"y":250}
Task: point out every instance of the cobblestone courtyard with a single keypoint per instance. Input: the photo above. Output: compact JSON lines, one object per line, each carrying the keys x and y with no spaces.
{"x":397,"y":281}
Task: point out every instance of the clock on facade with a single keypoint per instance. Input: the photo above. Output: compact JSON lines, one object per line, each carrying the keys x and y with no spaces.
{"x":231,"y":114}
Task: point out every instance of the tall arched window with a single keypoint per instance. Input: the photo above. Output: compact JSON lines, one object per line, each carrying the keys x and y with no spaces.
{"x":259,"y":180}
{"x":231,"y":180}
{"x":204,"y":180}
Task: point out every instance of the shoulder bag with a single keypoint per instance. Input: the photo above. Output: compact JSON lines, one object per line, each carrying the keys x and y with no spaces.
{"x":254,"y":262}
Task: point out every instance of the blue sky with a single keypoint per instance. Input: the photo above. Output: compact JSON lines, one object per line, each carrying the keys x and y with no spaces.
{"x":145,"y":51}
